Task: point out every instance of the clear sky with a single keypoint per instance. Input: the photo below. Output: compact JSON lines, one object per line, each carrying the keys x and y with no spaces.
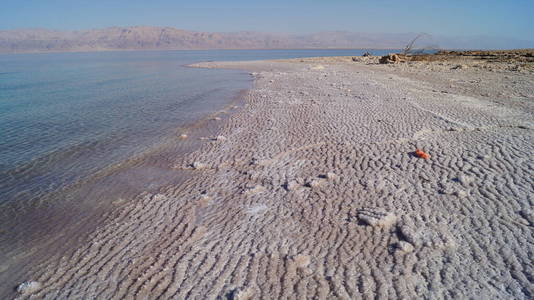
{"x":505,"y":18}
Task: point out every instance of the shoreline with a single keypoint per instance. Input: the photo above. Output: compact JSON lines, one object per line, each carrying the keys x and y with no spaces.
{"x":66,"y":218}
{"x":314,"y":191}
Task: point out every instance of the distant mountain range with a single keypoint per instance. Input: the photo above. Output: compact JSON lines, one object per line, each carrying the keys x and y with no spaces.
{"x":167,"y":38}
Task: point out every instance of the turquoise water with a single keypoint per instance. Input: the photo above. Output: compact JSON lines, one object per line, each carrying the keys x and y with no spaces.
{"x":66,"y":116}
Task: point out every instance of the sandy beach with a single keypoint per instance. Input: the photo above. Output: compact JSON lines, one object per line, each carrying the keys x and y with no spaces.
{"x":312,"y":190}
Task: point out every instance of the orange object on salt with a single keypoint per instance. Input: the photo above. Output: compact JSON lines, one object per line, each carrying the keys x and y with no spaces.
{"x":421,"y":154}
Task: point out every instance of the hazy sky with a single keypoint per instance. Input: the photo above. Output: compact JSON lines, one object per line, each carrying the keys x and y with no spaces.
{"x":506,"y":18}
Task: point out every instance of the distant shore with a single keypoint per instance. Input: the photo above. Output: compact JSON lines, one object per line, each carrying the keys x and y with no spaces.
{"x":143,"y":38}
{"x":192,"y":49}
{"x":314,"y":189}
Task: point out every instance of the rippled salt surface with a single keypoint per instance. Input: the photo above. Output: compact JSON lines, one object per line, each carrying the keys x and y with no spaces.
{"x":81,"y":133}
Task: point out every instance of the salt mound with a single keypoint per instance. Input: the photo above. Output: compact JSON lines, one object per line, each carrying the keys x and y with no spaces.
{"x":198,"y":165}
{"x":376,"y":217}
{"x":29,"y":287}
{"x":404,"y":247}
{"x":241,"y":294}
{"x":220,"y":138}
